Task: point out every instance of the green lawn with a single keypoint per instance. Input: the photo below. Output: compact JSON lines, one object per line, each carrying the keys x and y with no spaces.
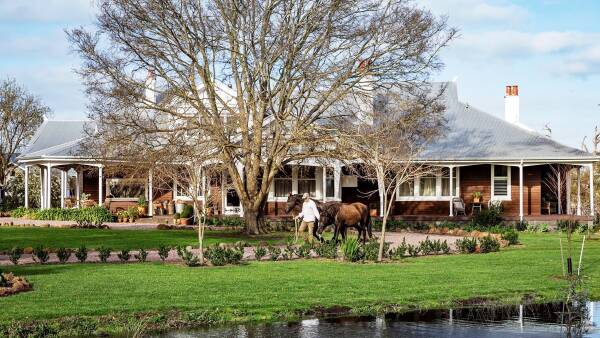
{"x":119,"y":239}
{"x":267,"y":289}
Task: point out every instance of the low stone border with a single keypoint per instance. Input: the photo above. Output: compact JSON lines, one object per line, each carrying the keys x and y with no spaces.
{"x":15,"y":285}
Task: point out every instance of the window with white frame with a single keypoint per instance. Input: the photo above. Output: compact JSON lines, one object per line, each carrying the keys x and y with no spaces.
{"x":431,"y":187}
{"x":183,"y":188}
{"x":329,"y":183}
{"x":500,"y":182}
{"x":283,"y":182}
{"x":428,"y":185}
{"x":407,"y":188}
{"x":125,"y":188}
{"x":307,"y":180}
{"x":445,"y":182}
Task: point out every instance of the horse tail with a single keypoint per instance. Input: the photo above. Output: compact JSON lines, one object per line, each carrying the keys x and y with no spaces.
{"x":369,"y":227}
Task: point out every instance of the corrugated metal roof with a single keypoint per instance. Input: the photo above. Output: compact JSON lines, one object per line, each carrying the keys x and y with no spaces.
{"x":476,"y":135}
{"x":471,"y":135}
{"x":56,"y":138}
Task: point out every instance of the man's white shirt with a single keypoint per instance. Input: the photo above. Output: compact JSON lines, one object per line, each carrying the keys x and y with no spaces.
{"x":309,"y":213}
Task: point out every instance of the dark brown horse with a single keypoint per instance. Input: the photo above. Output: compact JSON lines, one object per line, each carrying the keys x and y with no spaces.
{"x":295,"y":201}
{"x":344,"y":215}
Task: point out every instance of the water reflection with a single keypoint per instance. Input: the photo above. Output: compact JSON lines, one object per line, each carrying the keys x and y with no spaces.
{"x":516,"y":321}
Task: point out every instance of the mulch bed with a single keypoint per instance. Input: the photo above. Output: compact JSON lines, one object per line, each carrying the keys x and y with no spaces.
{"x":14,"y":285}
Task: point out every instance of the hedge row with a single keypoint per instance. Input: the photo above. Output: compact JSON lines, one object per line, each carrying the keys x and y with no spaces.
{"x":85,"y":217}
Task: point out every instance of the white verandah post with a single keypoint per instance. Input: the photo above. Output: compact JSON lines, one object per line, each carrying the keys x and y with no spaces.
{"x":560,"y":210}
{"x":324,"y":185}
{"x":578,"y":191}
{"x":568,"y":188}
{"x":77,"y":186}
{"x":337,"y":182}
{"x":150,"y":193}
{"x":452,"y":191}
{"x":26,"y":174}
{"x":521,"y":191}
{"x":48,"y":197}
{"x":42,"y":187}
{"x":592,"y":211}
{"x":100,"y":179}
{"x":62,"y":189}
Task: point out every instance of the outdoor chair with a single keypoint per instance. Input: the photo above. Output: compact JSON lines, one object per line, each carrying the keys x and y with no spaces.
{"x":459,"y":206}
{"x":495,"y":204}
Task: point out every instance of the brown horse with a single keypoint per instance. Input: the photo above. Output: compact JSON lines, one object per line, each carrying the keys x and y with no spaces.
{"x":295,"y":201}
{"x":344,"y":215}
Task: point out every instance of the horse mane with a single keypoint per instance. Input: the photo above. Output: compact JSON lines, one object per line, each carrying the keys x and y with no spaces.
{"x":331,"y":208}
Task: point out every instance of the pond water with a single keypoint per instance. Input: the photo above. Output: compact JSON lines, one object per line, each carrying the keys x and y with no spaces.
{"x":507,"y":321}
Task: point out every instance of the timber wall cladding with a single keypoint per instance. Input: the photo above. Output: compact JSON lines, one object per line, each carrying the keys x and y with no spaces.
{"x":478,"y":178}
{"x":435,"y":208}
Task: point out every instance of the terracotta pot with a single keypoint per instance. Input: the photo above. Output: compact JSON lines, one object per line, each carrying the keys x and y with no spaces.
{"x":476,"y":200}
{"x":373,"y":212}
{"x":184,"y":221}
{"x":141,"y":210}
{"x":125,"y":219}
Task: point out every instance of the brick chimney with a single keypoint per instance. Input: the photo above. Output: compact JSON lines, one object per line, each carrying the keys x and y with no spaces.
{"x":511,"y":104}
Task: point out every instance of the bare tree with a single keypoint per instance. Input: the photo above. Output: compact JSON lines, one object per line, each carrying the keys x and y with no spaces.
{"x":556,"y":183}
{"x":388,"y":148}
{"x":21,"y":115}
{"x":254,"y":80}
{"x":595,"y":142}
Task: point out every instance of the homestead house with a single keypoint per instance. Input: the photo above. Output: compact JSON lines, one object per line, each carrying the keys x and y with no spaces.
{"x":501,"y":160}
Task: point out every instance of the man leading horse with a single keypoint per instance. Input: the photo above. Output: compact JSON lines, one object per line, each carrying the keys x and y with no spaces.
{"x":309,"y":215}
{"x":340,"y":215}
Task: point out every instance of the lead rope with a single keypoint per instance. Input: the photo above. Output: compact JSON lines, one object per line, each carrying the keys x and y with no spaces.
{"x":296,"y":230}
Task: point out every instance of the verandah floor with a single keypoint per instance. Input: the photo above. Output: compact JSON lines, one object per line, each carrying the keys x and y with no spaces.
{"x":510,"y":218}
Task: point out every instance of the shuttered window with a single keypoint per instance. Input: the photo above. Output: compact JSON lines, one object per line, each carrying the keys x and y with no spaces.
{"x":501,"y":181}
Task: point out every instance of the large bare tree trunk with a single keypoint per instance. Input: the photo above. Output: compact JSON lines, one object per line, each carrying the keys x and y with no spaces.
{"x":254,"y":221}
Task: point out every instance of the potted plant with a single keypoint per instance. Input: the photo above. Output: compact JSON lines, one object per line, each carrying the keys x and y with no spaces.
{"x":86,"y":201}
{"x":121,"y":215}
{"x":132,"y":212}
{"x":179,"y":204}
{"x":176,"y":217}
{"x":170,"y":208}
{"x":158,"y":208}
{"x":186,"y":215}
{"x":142,"y":205}
{"x":477,"y":197}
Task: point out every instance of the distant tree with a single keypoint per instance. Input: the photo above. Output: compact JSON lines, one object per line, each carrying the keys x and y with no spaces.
{"x":15,"y":190}
{"x":21,"y":113}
